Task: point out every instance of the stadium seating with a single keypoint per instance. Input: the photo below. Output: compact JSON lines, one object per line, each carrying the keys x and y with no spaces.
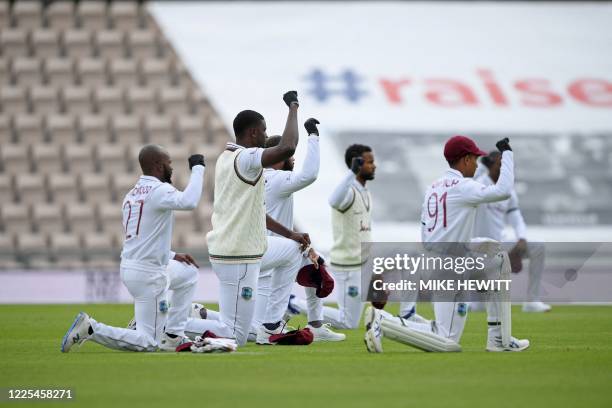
{"x":83,"y":85}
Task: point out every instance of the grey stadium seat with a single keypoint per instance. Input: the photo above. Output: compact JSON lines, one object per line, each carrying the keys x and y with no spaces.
{"x":82,"y":219}
{"x":109,"y":44}
{"x":111,"y":158}
{"x":123,"y":72}
{"x":66,"y":250}
{"x":92,"y":15}
{"x":14,"y":43}
{"x":95,"y":187}
{"x":63,"y":188}
{"x":60,"y":15}
{"x":28,"y":129}
{"x":13,"y":99}
{"x":92,"y":72}
{"x":125,"y":16}
{"x":14,"y":158}
{"x":142,"y":44}
{"x":48,"y":218}
{"x":26,"y":71}
{"x":30,"y":188}
{"x":28,"y":14}
{"x":79,"y":158}
{"x":47,"y":158}
{"x":61,"y":129}
{"x":15,"y":218}
{"x":45,"y":43}
{"x":159,"y":130}
{"x":109,"y":101}
{"x":45,"y":100}
{"x":94,"y":129}
{"x":77,"y":44}
{"x":76,"y":100}
{"x":58,"y":72}
{"x":142,"y":101}
{"x":126,"y":129}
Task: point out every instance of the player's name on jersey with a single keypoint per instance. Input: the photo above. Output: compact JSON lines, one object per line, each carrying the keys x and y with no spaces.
{"x":477,"y":285}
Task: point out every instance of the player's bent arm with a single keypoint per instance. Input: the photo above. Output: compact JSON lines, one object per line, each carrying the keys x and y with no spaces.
{"x":277,"y":227}
{"x":343,"y":195}
{"x":301,"y":238}
{"x":289,"y":140}
{"x":309,"y":171}
{"x":475,"y":193}
{"x":173,"y":199}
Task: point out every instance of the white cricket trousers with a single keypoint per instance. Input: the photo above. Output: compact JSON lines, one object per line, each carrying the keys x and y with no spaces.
{"x":183,"y":283}
{"x":279,"y":268}
{"x":237,"y":294}
{"x":148,"y":285}
{"x":347,"y":288}
{"x":284,"y":259}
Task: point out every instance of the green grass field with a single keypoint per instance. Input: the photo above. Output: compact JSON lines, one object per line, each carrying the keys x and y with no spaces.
{"x":569,"y":364}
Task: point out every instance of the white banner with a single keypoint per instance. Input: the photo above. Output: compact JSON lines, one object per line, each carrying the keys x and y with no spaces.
{"x":536,"y":70}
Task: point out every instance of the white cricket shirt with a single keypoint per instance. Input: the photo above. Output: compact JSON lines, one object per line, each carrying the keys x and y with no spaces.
{"x":148,"y":217}
{"x":450,"y":203}
{"x":281,"y":184}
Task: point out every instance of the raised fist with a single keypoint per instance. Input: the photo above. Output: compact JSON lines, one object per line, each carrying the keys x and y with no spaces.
{"x":503,"y":145}
{"x":195,"y":160}
{"x":311,"y":126}
{"x":290,"y":97}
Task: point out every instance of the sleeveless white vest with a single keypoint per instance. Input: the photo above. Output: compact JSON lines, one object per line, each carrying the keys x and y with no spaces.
{"x":238,"y":232}
{"x":351,"y":227}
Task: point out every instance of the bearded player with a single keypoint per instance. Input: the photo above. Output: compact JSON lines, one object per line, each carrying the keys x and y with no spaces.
{"x":447,"y":216}
{"x":148,"y":221}
{"x":351,"y":204}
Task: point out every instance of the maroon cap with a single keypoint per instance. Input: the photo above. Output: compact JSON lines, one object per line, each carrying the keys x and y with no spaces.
{"x":458,"y":146}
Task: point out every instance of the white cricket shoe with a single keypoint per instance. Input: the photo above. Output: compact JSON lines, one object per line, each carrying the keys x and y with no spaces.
{"x":264,"y":334}
{"x":168,"y":343}
{"x":373,"y":335}
{"x":325,"y":333}
{"x":195,"y":310}
{"x":77,"y":333}
{"x":494,"y":343}
{"x":536,"y":307}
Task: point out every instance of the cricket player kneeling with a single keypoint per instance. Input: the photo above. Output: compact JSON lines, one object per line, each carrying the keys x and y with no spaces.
{"x":460,"y":196}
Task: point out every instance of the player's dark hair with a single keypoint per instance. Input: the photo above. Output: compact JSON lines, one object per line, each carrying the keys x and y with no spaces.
{"x":246,"y":119}
{"x":272,"y":141}
{"x":355,"y":150}
{"x":490,"y":158}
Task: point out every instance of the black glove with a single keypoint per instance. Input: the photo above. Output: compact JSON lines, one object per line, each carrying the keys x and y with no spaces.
{"x":503,"y":145}
{"x":196,"y":159}
{"x":311,"y":126}
{"x":356,"y":164}
{"x":290,"y":97}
